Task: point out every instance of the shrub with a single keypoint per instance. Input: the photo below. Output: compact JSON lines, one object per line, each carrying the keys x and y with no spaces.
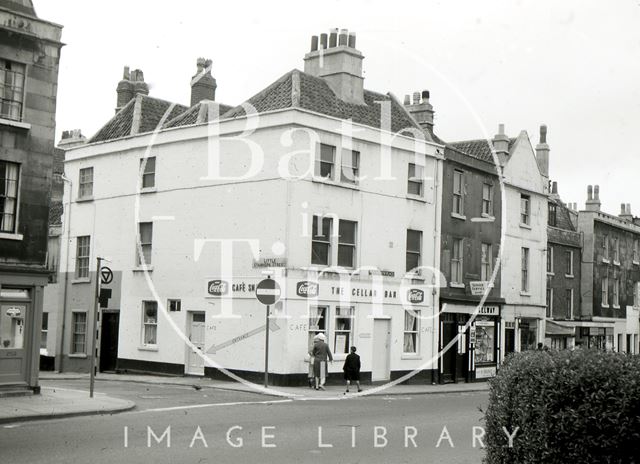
{"x":576,"y":407}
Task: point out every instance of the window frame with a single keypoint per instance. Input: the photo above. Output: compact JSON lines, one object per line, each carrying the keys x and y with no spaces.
{"x":352,"y":155}
{"x":83,"y":262}
{"x":75,"y":334}
{"x":616,"y":292}
{"x":7,"y":195}
{"x":457,"y":206}
{"x":486,"y":261}
{"x":411,"y":252}
{"x":350,"y":316}
{"x":144,"y":246}
{"x":415,"y":180}
{"x":636,"y":251}
{"x":458,"y":259}
{"x":525,"y":264}
{"x":569,"y":293}
{"x":325,"y":241}
{"x":85,"y":187}
{"x":616,"y":250}
{"x":415,"y":331}
{"x":352,"y":246}
{"x":568,"y":255}
{"x":324,"y":317}
{"x":149,"y":172}
{"x":552,"y":213}
{"x":20,"y":91}
{"x":177,"y":306}
{"x":149,"y":324}
{"x":487,"y":203}
{"x":550,"y":263}
{"x":605,"y":248}
{"x":320,"y":162}
{"x":549,"y":302}
{"x":525,"y":209}
{"x":604,"y":287}
{"x":44,"y":330}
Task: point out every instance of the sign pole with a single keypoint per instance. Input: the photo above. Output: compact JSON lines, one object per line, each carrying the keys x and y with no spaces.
{"x":94,"y":335}
{"x":266,"y":351}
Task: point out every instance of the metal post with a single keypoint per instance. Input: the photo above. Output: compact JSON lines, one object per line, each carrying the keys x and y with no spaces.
{"x":266,"y":351}
{"x":94,"y":336}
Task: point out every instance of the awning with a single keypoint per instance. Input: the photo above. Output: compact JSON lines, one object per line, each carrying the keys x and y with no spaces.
{"x":553,"y":328}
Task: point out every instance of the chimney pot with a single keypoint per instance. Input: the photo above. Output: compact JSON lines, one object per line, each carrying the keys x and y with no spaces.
{"x":596,"y":192}
{"x":543,"y":134}
{"x":407,"y":100}
{"x":589,"y":192}
{"x":416,"y":98}
{"x":629,"y":209}
{"x":333,"y":38}
{"x":554,"y":187}
{"x":323,"y":40}
{"x":500,"y":129}
{"x":342,"y":39}
{"x":623,"y":209}
{"x":425,"y":95}
{"x":203,"y":84}
{"x":314,"y":43}
{"x":125,"y":73}
{"x":352,"y":39}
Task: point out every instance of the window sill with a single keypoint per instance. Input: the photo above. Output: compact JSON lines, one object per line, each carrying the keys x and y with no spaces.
{"x":84,"y":199}
{"x":410,"y":356}
{"x":605,"y":306}
{"x":456,"y":285}
{"x":605,"y":260}
{"x":148,"y":348}
{"x":142,"y":269}
{"x":335,"y":183}
{"x":83,"y":280}
{"x":488,"y":216}
{"x":148,"y":190}
{"x":569,"y":276}
{"x":525,"y":226}
{"x":411,"y":196}
{"x":12,"y":123}
{"x":616,"y":263}
{"x":616,"y":306}
{"x":551,"y":273}
{"x":525,"y":294}
{"x":637,"y":263}
{"x":78,"y":355}
{"x":458,"y":216}
{"x":8,"y":236}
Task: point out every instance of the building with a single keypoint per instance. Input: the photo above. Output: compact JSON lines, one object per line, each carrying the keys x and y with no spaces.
{"x":610,"y":278}
{"x":29,"y":58}
{"x":524,"y":190}
{"x":470,"y":301}
{"x":564,"y":258}
{"x":338,"y":231}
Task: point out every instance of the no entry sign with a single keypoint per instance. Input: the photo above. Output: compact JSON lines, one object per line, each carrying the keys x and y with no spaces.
{"x":268,"y":291}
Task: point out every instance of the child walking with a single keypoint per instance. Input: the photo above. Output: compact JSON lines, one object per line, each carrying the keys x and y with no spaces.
{"x":351,"y":369}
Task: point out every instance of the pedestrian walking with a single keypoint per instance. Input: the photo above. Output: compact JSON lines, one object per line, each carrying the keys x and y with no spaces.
{"x":320,"y":354}
{"x":351,"y":369}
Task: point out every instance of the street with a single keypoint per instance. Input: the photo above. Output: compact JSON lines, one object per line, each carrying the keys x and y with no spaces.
{"x":181,"y":424}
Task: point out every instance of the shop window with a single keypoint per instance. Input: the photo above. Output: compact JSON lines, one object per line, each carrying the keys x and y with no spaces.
{"x":148,"y":167}
{"x":145,"y":242}
{"x":568,"y":257}
{"x":485,"y":342}
{"x":525,"y":209}
{"x":411,"y":331}
{"x":9,"y":176}
{"x":457,"y":261}
{"x":550,"y":259}
{"x":415,"y":183}
{"x":12,"y":319}
{"x":350,"y":167}
{"x":317,"y":322}
{"x":525,"y":270}
{"x":487,"y":199}
{"x":321,"y":240}
{"x":325,"y":161}
{"x":347,"y":243}
{"x":11,"y":89}
{"x":83,"y":249}
{"x":85,"y":183}
{"x":79,"y":338}
{"x":343,"y":332}
{"x":458,"y":192}
{"x":149,"y":323}
{"x":414,"y":249}
{"x":45,"y":331}
{"x":486,"y":256}
{"x":569,"y":314}
{"x":528,"y":335}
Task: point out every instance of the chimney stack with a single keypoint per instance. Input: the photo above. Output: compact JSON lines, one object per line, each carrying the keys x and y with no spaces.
{"x":501,"y":145}
{"x":71,"y":138}
{"x":554,"y":191}
{"x":593,"y":198}
{"x":124,"y":90}
{"x":542,"y":153}
{"x":625,"y":212}
{"x":339,"y":63}
{"x":420,"y":109}
{"x":203,"y":84}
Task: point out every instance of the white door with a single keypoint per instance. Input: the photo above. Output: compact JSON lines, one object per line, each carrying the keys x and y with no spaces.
{"x":381,"y":349}
{"x":195,"y":363}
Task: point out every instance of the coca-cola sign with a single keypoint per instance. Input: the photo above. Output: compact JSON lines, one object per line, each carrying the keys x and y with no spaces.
{"x":415,"y":295}
{"x":217,"y":287}
{"x":307,"y":289}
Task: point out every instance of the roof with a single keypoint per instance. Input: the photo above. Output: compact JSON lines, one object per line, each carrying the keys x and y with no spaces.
{"x":19,"y":6}
{"x":479,"y":148}
{"x":199,"y":113}
{"x":297,"y":89}
{"x":55,"y":213}
{"x":142,"y":114}
{"x":563,"y":215}
{"x":553,"y":328}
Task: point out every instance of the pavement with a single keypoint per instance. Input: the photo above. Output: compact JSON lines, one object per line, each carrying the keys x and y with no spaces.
{"x":55,"y":402}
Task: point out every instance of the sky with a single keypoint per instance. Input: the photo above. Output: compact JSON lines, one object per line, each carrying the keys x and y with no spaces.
{"x":572,"y":65}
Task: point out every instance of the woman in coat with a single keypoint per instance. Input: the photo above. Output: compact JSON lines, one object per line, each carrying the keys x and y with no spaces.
{"x":320,"y":354}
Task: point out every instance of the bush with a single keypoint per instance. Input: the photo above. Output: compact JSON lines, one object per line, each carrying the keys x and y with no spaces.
{"x":576,"y":407}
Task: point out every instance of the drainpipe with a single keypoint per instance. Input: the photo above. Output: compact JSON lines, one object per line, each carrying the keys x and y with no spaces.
{"x":435,"y":339}
{"x":66,"y":275}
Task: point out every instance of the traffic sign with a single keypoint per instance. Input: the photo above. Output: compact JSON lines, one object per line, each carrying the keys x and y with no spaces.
{"x":268,"y":291}
{"x":106,"y":275}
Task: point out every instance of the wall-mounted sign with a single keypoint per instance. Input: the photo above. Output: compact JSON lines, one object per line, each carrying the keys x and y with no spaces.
{"x":489,"y":311}
{"x":270,"y":262}
{"x":14,"y":311}
{"x":217,"y":287}
{"x":306,"y":289}
{"x":485,"y":372}
{"x":383,"y":273}
{"x":478,"y":287}
{"x":415,"y":295}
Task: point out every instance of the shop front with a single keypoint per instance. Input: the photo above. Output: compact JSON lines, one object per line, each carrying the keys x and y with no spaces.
{"x":559,"y":336}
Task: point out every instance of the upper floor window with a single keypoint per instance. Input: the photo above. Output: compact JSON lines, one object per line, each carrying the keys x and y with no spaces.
{"x":350,"y":167}
{"x":321,"y":240}
{"x":568,"y":256}
{"x":85,"y":183}
{"x":525,"y":269}
{"x":605,"y":291}
{"x":549,"y":302}
{"x":79,"y":332}
{"x":457,"y":261}
{"x":569,"y":314}
{"x":605,"y":247}
{"x":458,"y":192}
{"x":83,"y":250}
{"x":550,"y":260}
{"x":149,"y":172}
{"x":616,"y":291}
{"x":9,"y":175}
{"x":525,"y":209}
{"x":636,"y":251}
{"x":325,"y":161}
{"x":415,"y":185}
{"x":145,"y":240}
{"x":487,"y":199}
{"x":347,"y":243}
{"x":414,"y":249}
{"x":485,"y":261}
{"x":552,"y":220}
{"x":11,"y":89}
{"x":616,"y":250}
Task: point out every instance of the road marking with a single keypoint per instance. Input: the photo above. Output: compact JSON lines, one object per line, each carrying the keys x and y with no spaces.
{"x":211,"y":405}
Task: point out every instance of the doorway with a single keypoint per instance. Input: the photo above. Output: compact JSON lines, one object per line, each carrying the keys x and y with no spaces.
{"x":109,"y":341}
{"x":380,"y":370}
{"x":15,"y":320}
{"x":195,"y":332}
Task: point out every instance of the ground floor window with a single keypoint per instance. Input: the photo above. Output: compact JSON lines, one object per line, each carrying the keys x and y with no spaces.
{"x":317,"y":322}
{"x":79,"y":338}
{"x":485,"y":341}
{"x":411,"y":331}
{"x":528,"y":335}
{"x":343,"y":333}
{"x":150,"y":323}
{"x":45,"y":331}
{"x":509,"y":337}
{"x":559,"y":343}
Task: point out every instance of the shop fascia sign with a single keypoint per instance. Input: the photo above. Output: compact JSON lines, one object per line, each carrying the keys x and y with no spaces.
{"x":479,"y":288}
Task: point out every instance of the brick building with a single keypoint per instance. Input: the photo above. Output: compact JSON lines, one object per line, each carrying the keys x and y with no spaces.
{"x":29,"y":58}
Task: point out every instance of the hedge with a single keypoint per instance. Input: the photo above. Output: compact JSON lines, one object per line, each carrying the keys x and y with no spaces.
{"x":577,"y":407}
